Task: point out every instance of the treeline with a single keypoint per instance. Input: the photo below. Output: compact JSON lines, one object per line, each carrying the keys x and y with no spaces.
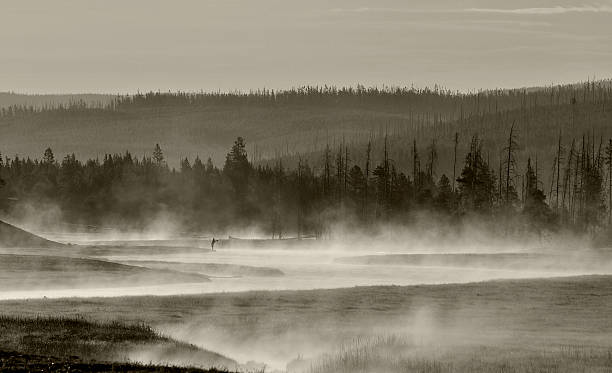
{"x":440,"y":104}
{"x":538,"y":127}
{"x":299,"y":123}
{"x":508,"y":197}
{"x":50,"y":101}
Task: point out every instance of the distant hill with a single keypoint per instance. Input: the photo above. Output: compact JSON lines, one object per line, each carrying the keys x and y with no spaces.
{"x":8,"y":99}
{"x":537,"y":129}
{"x":11,"y":236}
{"x":286,"y":123}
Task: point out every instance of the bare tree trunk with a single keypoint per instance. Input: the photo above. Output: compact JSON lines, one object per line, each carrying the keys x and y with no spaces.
{"x":299,"y":204}
{"x":552,"y":181}
{"x":568,"y":175}
{"x":558,"y":167}
{"x":455,"y":160}
{"x":509,"y":162}
{"x":523,"y":189}
{"x":500,"y":190}
{"x":345,"y":179}
{"x":536,"y":171}
{"x":610,"y":185}
{"x":575,"y":187}
{"x":367,"y":179}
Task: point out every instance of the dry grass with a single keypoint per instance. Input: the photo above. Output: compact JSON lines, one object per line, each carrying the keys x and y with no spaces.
{"x":64,"y":337}
{"x":11,"y":361}
{"x":504,"y":326}
{"x":27,"y":272}
{"x":395,"y":354}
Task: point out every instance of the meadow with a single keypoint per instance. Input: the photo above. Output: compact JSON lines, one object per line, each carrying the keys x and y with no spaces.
{"x":74,"y":341}
{"x":21,"y":272}
{"x":529,"y":325}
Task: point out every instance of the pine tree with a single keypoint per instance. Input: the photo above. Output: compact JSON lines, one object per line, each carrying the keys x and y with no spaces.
{"x":535,"y":208}
{"x":356,"y":186}
{"x":476,"y":184}
{"x":237,"y":168}
{"x":158,"y":155}
{"x":48,"y":157}
{"x":444,"y":196}
{"x":185,"y":166}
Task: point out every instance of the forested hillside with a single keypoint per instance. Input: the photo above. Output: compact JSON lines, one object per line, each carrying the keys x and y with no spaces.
{"x":538,"y":128}
{"x":538,"y":160}
{"x":297,"y":122}
{"x":49,"y":101}
{"x":125,"y":192}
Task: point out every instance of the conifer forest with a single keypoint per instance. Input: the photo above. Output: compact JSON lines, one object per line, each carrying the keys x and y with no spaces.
{"x":273,"y":186}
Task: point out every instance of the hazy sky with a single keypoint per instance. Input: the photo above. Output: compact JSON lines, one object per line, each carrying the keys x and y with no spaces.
{"x":121,"y":46}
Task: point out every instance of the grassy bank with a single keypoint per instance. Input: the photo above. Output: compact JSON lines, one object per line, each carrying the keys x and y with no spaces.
{"x":211,"y":269}
{"x":16,"y":362}
{"x":523,"y":317}
{"x":67,"y":339}
{"x":27,"y":272}
{"x":393,"y":354}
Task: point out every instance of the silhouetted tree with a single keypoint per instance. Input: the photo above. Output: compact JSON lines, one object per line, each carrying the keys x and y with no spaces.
{"x":444,"y":199}
{"x":158,"y":155}
{"x":237,"y":168}
{"x":476,"y":183}
{"x":48,"y":157}
{"x":539,"y":215}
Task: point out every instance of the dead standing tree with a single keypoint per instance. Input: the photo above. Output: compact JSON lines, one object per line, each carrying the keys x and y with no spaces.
{"x":367,"y":180}
{"x":455,"y":156}
{"x":510,"y":163}
{"x":567,"y":180}
{"x":416,"y":167}
{"x":608,"y":161}
{"x":559,"y":158}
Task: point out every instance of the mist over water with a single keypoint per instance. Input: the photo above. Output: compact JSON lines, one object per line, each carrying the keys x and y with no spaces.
{"x":312,"y":264}
{"x":303,"y":270}
{"x":315,"y":189}
{"x":351,"y":259}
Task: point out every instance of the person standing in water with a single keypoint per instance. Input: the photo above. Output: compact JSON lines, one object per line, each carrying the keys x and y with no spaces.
{"x":212,"y":244}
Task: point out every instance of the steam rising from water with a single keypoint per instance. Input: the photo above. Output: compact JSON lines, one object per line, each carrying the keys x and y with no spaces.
{"x":344,"y":260}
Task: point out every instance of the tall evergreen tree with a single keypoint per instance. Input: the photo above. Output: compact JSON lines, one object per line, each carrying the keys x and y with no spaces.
{"x":158,"y":155}
{"x":237,"y":168}
{"x":535,"y":208}
{"x":48,"y":157}
{"x":476,"y":183}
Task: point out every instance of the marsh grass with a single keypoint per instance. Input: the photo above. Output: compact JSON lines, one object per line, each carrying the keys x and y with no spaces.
{"x":30,"y":272}
{"x":63,"y":336}
{"x":87,"y":341}
{"x":398,"y":354}
{"x":11,"y":361}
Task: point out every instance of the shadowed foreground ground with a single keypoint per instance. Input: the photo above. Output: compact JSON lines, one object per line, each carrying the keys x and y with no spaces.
{"x":27,"y":272}
{"x":69,"y":341}
{"x":11,"y":236}
{"x":11,"y":361}
{"x":580,"y":305}
{"x":553,"y":325}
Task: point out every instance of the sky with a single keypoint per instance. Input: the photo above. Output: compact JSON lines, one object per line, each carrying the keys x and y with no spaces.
{"x":126,"y":46}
